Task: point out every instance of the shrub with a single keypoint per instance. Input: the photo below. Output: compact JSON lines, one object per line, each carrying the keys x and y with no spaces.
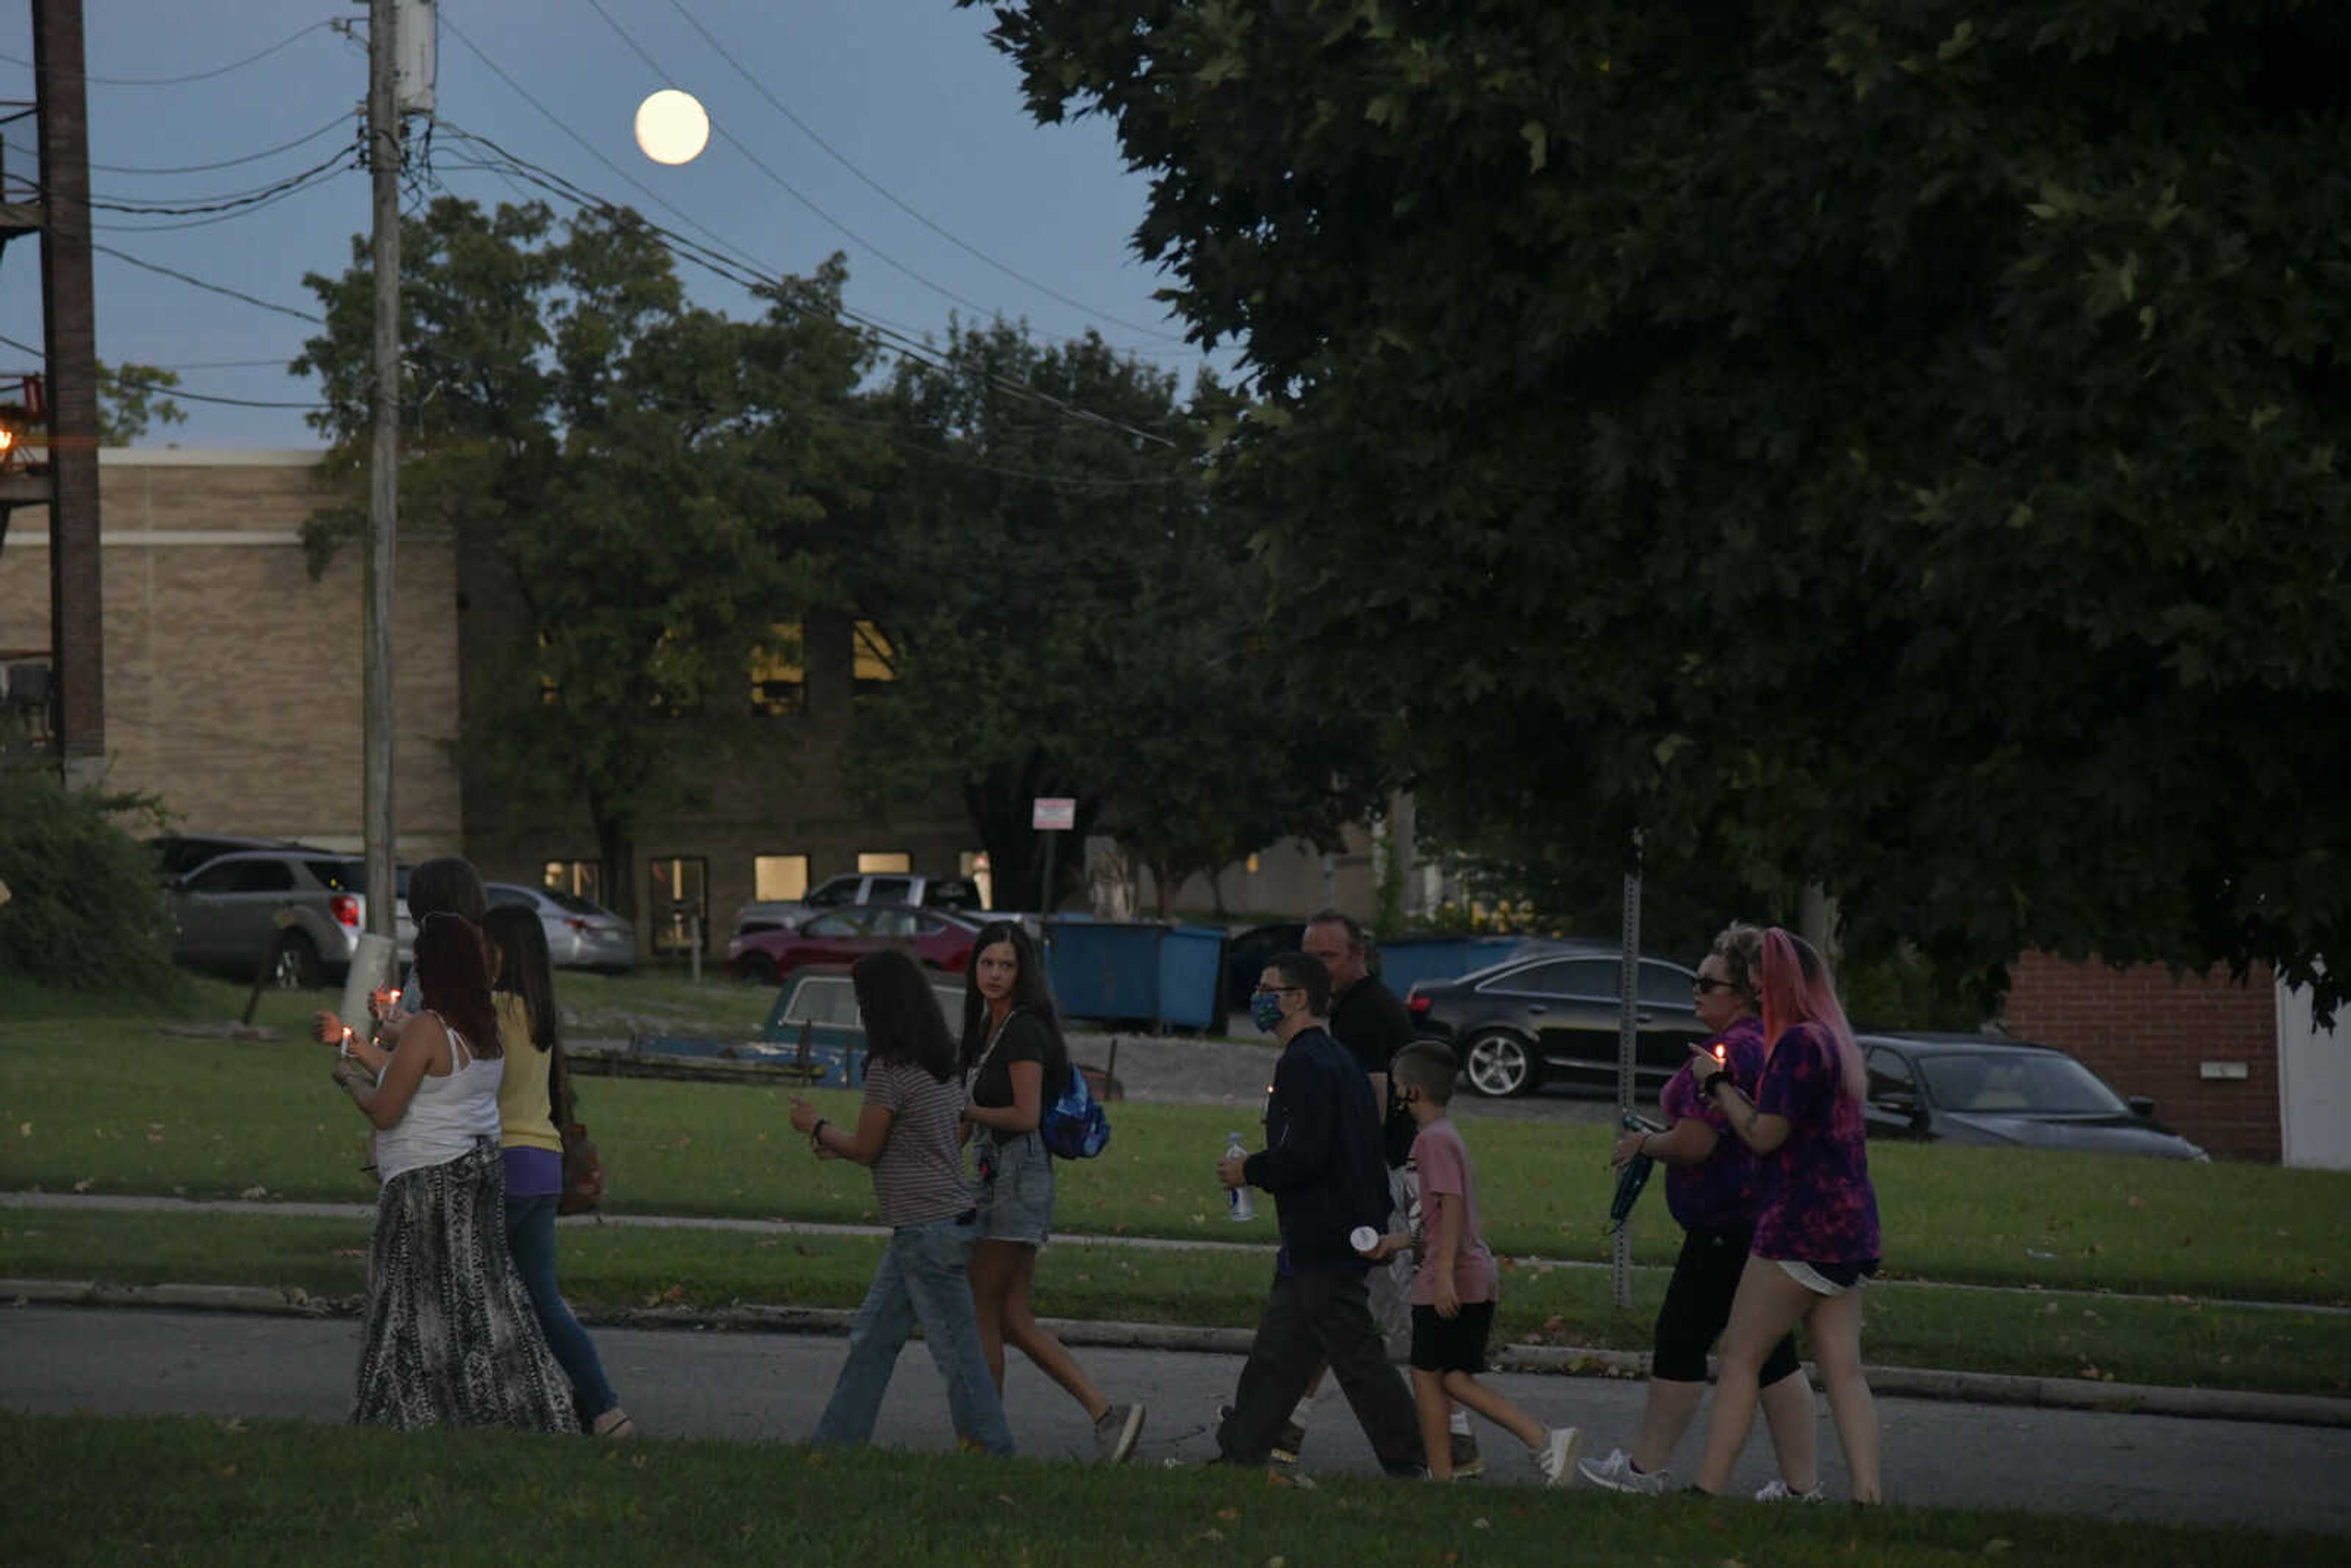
{"x":83,"y":913}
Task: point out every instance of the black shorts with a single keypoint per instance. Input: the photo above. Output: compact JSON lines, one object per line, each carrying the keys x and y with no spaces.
{"x":1456,"y":1344}
{"x":1698,"y":1306}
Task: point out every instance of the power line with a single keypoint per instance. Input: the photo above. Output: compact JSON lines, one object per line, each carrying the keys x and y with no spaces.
{"x":878,"y":188}
{"x":226,"y":201}
{"x":221,"y":288}
{"x":169,"y":390}
{"x":194,"y":76}
{"x":886,"y":339}
{"x":226,"y":162}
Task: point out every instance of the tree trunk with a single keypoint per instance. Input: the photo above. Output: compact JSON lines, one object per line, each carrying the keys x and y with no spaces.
{"x":616,"y":852}
{"x":1000,"y":804}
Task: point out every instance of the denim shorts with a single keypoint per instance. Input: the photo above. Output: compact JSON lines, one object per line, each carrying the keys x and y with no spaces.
{"x":1016,"y":1190}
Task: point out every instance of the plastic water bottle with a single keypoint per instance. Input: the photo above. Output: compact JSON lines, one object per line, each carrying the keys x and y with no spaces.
{"x":1241,"y":1204}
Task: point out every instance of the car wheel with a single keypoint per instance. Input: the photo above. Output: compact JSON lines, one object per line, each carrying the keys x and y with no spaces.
{"x":758,"y":970}
{"x":1499,"y":1065}
{"x":295,"y":966}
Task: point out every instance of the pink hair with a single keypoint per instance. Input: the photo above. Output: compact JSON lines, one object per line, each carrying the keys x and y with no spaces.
{"x":1797,"y":989}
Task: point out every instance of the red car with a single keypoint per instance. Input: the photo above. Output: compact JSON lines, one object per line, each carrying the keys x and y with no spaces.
{"x":937,"y":939}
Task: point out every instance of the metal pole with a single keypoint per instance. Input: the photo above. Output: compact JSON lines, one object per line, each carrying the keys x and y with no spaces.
{"x":384,"y":469}
{"x":1045,"y":893}
{"x":1628,"y":1036}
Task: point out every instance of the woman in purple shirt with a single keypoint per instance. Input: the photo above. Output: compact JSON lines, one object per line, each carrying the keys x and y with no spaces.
{"x":1816,"y":1235}
{"x":1712,"y":1186}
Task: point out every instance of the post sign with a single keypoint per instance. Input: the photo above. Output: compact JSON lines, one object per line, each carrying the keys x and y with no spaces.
{"x":1053,"y":813}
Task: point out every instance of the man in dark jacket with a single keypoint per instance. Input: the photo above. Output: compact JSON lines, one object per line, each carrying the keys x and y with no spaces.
{"x":1324,"y":1164}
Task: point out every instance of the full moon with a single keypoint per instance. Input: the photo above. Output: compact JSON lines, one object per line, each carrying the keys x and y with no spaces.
{"x":672,"y":127}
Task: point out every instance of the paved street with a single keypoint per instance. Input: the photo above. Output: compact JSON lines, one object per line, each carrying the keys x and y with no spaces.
{"x":759,"y":1387}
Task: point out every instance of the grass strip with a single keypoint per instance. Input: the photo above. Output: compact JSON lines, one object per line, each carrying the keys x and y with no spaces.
{"x":2177,"y":1343}
{"x":239,"y":1492}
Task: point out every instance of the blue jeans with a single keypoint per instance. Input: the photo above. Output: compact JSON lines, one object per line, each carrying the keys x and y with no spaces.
{"x":924,"y":1277}
{"x":530,"y":1236}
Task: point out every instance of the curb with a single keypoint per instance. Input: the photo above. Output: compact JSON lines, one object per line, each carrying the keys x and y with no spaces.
{"x":1566,"y":1361}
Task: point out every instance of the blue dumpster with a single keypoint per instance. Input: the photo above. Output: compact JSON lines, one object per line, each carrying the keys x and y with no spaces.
{"x":1136,"y":972}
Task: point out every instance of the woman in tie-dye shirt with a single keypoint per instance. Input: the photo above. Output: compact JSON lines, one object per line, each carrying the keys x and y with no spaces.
{"x":1816,"y":1234}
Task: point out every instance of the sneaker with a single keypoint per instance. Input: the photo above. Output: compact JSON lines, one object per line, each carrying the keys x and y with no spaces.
{"x":615,"y":1425}
{"x":1556,"y":1457}
{"x":1115,"y":1433}
{"x":1616,"y":1473}
{"x":1777,"y":1491}
{"x":1466,"y":1464}
{"x":1289,"y":1444}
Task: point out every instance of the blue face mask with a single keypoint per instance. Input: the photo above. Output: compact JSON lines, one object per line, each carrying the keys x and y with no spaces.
{"x":1265,"y":1010}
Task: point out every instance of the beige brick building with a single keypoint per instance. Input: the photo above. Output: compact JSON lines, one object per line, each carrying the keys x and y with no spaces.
{"x":233,"y":689}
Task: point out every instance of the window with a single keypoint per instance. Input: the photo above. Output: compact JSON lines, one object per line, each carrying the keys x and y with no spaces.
{"x":779,"y":877}
{"x":886,"y":863}
{"x":779,"y":679}
{"x":245,"y":876}
{"x":1561,"y":978}
{"x":824,"y":999}
{"x":680,"y":889}
{"x":889,"y":889}
{"x":582,"y":879}
{"x":1889,"y":1078}
{"x":1665,"y":986}
{"x":872,"y":658}
{"x":974,"y":865}
{"x":839,"y":923}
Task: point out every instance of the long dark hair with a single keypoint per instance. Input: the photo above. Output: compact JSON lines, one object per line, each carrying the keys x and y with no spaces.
{"x":446,"y":884}
{"x":526,"y":969}
{"x":903,"y":1022}
{"x":1030,"y":995}
{"x":453,"y":966}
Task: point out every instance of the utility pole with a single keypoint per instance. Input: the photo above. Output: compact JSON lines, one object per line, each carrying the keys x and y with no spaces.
{"x":383,"y":474}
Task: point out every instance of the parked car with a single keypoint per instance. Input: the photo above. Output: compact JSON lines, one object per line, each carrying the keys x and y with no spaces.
{"x":580,"y":933}
{"x":301,"y":911}
{"x":177,"y":854}
{"x":822,"y":994}
{"x":938,"y":940}
{"x":958,"y":894}
{"x":1988,"y":1089}
{"x":1554,"y":1017}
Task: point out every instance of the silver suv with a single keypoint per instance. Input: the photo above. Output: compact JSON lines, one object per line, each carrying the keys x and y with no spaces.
{"x":299,"y":912}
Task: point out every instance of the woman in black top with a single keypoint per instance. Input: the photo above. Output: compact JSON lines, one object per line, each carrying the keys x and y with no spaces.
{"x":1015,"y":1065}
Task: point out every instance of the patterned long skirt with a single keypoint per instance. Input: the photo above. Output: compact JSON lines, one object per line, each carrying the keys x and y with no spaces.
{"x":451,"y":1337}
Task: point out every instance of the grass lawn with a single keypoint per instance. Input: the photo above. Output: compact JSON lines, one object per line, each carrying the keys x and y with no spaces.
{"x":174,"y":1489}
{"x":2180,"y":1343}
{"x":99,"y":1102}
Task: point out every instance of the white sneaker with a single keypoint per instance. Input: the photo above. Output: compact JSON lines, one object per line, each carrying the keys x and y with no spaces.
{"x":1616,"y":1473}
{"x":1777,"y":1491}
{"x":1556,"y":1457}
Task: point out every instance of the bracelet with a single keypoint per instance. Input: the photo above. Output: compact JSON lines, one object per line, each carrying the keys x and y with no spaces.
{"x":1714,"y":1082}
{"x":816,"y":1134}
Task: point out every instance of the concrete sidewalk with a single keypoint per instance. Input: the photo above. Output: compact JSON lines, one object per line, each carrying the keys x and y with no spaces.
{"x":1915,"y":1383}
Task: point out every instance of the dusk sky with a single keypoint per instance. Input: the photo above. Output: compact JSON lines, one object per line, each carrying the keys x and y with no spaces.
{"x":958,"y":202}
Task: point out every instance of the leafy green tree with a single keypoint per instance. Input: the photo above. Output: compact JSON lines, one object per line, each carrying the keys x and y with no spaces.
{"x":1894,"y":446}
{"x":133,"y":397}
{"x":1071,"y":612}
{"x":642,"y":491}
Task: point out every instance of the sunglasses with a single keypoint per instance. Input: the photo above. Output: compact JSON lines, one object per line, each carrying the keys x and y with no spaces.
{"x":1704,"y":984}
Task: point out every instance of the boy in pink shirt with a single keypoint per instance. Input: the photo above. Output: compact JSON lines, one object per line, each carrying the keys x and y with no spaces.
{"x":1454,"y":1293}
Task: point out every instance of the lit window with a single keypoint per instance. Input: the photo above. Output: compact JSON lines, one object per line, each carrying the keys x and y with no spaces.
{"x":872,"y":657}
{"x":973,"y":863}
{"x":885,"y":863}
{"x":1250,"y":865}
{"x":776,"y":877}
{"x":778,"y":684}
{"x":582,"y":879}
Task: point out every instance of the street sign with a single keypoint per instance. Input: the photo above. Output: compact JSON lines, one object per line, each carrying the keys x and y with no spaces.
{"x":1053,"y":813}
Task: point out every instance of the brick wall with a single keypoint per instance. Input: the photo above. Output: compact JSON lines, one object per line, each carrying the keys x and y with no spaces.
{"x":233,"y":681}
{"x":2145,"y":1033}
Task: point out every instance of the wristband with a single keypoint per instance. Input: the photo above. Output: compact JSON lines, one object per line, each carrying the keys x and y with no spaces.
{"x":816,"y":1134}
{"x":1714,"y":1082}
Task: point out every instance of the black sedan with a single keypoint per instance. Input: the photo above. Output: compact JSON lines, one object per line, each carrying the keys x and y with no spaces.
{"x":1555,"y":1017}
{"x":1986,"y":1089}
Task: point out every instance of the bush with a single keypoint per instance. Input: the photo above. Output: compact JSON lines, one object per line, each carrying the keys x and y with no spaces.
{"x":83,"y":911}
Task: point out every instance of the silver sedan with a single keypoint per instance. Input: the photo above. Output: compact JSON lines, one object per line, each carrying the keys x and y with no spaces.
{"x":580,"y":933}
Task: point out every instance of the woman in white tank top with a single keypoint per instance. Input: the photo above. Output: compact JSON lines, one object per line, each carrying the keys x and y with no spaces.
{"x":451,"y":1337}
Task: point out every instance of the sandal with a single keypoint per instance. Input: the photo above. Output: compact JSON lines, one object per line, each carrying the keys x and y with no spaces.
{"x":615,"y":1424}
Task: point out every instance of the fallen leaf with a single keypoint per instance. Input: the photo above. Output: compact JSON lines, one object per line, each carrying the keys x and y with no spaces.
{"x":350,"y":1251}
{"x":1997,"y":1545}
{"x":1481,"y":1525}
{"x":224,"y":1470}
{"x":2137,"y":1202}
{"x":1209,"y":1535}
{"x":24,"y":1129}
{"x":2088,"y":1371}
{"x":253,"y":1193}
{"x":84,"y":1185}
{"x":1229,"y":1514}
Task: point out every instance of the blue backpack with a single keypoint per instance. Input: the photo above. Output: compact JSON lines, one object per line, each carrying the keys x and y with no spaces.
{"x":1075,"y":1126}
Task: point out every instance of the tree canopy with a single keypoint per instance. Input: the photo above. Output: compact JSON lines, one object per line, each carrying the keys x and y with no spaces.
{"x":1898,"y":446}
